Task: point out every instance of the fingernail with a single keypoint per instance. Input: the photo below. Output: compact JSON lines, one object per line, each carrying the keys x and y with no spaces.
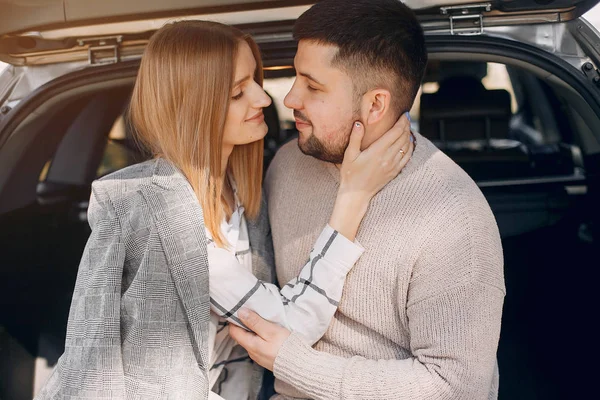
{"x":412,"y":138}
{"x":243,"y":313}
{"x":408,"y":116}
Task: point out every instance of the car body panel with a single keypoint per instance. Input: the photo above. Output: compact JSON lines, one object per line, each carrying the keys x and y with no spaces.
{"x":23,"y":15}
{"x":47,"y":31}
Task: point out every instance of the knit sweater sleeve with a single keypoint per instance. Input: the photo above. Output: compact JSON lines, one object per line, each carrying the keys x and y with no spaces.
{"x":453,"y":315}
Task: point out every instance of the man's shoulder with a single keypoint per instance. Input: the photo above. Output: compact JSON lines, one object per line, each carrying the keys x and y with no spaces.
{"x":441,"y":172}
{"x":440,"y":184}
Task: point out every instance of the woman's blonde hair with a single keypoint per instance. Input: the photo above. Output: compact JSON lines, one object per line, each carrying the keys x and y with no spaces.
{"x":178,"y":109}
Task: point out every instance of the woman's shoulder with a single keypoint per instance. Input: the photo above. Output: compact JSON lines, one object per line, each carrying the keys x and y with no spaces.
{"x":132,"y":175}
{"x":125,"y":180}
{"x":128,"y":191}
{"x":120,"y":190}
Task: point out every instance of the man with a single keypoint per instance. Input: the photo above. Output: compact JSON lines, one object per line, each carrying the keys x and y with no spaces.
{"x":420,"y":315}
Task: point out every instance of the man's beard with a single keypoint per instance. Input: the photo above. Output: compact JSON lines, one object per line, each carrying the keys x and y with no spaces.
{"x":317,"y":149}
{"x":314,"y":147}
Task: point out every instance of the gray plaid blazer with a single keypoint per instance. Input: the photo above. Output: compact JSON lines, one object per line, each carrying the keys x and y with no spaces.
{"x":138,"y":324}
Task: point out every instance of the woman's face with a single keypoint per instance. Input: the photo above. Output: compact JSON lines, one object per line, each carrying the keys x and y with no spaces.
{"x":245,"y":121}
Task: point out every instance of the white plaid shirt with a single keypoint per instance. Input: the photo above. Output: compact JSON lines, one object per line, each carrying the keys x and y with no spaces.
{"x":304,"y":305}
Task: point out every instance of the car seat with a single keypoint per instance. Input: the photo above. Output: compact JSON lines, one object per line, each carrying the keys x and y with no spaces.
{"x":471,"y":123}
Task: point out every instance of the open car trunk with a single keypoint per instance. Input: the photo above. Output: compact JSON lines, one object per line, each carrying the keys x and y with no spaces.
{"x":58,"y":138}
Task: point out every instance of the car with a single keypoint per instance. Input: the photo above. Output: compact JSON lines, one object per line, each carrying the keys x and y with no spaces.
{"x":511,"y":94}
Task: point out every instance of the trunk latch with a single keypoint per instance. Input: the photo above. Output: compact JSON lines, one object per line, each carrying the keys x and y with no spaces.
{"x":466,"y":19}
{"x":102,"y":50}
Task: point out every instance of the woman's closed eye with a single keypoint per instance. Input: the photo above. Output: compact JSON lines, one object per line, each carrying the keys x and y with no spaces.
{"x":238,"y":96}
{"x":312,"y":89}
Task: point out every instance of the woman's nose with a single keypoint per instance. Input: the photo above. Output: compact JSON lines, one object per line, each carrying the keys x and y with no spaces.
{"x":263,"y":99}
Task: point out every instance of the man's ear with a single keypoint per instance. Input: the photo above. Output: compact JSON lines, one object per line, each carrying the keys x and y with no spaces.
{"x":377,"y":105}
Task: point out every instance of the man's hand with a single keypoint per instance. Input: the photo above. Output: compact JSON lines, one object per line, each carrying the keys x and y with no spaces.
{"x":263,"y":345}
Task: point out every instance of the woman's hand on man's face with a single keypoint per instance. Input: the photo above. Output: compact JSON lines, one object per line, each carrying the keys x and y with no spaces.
{"x":364,"y":173}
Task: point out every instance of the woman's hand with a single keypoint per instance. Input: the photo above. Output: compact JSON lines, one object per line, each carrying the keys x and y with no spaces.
{"x":364,"y":173}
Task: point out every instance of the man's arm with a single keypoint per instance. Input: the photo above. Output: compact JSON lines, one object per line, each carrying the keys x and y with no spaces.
{"x":434,"y":372}
{"x":437,"y":370}
{"x":453,"y":312}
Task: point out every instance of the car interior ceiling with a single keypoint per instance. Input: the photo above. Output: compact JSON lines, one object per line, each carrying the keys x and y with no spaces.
{"x":513,"y":156}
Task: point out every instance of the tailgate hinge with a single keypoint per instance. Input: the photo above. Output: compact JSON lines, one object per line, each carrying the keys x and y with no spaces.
{"x":466,"y":19}
{"x":591,"y":73}
{"x":102,"y":50}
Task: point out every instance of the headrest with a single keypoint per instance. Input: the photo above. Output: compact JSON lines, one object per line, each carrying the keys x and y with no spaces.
{"x":462,"y":109}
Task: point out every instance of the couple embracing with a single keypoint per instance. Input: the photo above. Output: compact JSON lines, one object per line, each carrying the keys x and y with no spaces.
{"x":369,"y":266}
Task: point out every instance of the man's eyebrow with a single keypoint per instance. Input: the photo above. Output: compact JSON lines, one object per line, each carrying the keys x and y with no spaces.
{"x":239,"y":81}
{"x":309,"y":76}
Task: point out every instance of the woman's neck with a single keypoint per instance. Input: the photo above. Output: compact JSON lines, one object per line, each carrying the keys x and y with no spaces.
{"x":225,"y":154}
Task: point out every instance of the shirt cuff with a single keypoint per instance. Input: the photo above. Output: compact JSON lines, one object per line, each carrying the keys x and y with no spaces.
{"x":336,"y":248}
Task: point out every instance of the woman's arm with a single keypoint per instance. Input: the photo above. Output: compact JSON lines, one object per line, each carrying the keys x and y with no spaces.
{"x":307,"y":303}
{"x":304,"y":305}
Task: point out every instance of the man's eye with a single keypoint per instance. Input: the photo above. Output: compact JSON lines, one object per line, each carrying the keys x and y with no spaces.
{"x":312,"y":89}
{"x":238,"y":96}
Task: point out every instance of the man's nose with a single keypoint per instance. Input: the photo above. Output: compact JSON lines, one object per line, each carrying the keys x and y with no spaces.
{"x":292,"y":100}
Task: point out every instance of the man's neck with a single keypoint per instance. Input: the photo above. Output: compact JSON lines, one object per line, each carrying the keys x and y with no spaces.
{"x":375,"y":131}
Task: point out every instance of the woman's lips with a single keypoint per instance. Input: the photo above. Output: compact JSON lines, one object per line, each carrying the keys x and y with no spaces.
{"x":258,"y":117}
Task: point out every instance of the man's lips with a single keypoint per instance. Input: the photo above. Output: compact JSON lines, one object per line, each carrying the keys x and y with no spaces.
{"x":259,"y":116}
{"x":301,"y":124}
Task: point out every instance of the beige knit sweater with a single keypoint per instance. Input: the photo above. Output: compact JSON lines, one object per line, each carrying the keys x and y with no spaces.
{"x":420,"y":315}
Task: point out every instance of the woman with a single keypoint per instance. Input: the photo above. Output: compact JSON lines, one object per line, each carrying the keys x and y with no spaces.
{"x":144,"y":321}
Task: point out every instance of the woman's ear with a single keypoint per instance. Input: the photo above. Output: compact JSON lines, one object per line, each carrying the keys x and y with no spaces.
{"x":377,"y":103}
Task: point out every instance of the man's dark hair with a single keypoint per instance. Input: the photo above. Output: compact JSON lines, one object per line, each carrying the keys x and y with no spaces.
{"x":381,"y":44}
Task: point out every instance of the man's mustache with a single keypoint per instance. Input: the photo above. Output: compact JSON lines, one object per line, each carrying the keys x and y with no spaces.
{"x":299,"y":116}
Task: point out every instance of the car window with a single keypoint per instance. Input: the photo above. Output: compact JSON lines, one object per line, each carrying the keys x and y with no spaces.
{"x":116,"y":154}
{"x":120,"y":151}
{"x":495,"y":78}
{"x":44,"y":172}
{"x":496,"y":121}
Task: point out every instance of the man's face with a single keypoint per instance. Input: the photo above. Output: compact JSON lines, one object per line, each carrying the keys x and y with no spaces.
{"x":323,"y":101}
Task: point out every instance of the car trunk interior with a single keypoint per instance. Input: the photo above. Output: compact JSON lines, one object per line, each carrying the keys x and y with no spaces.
{"x":544,"y":195}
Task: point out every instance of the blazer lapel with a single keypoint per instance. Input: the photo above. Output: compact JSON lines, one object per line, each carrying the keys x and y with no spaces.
{"x":180,"y":225}
{"x":261,"y":246}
